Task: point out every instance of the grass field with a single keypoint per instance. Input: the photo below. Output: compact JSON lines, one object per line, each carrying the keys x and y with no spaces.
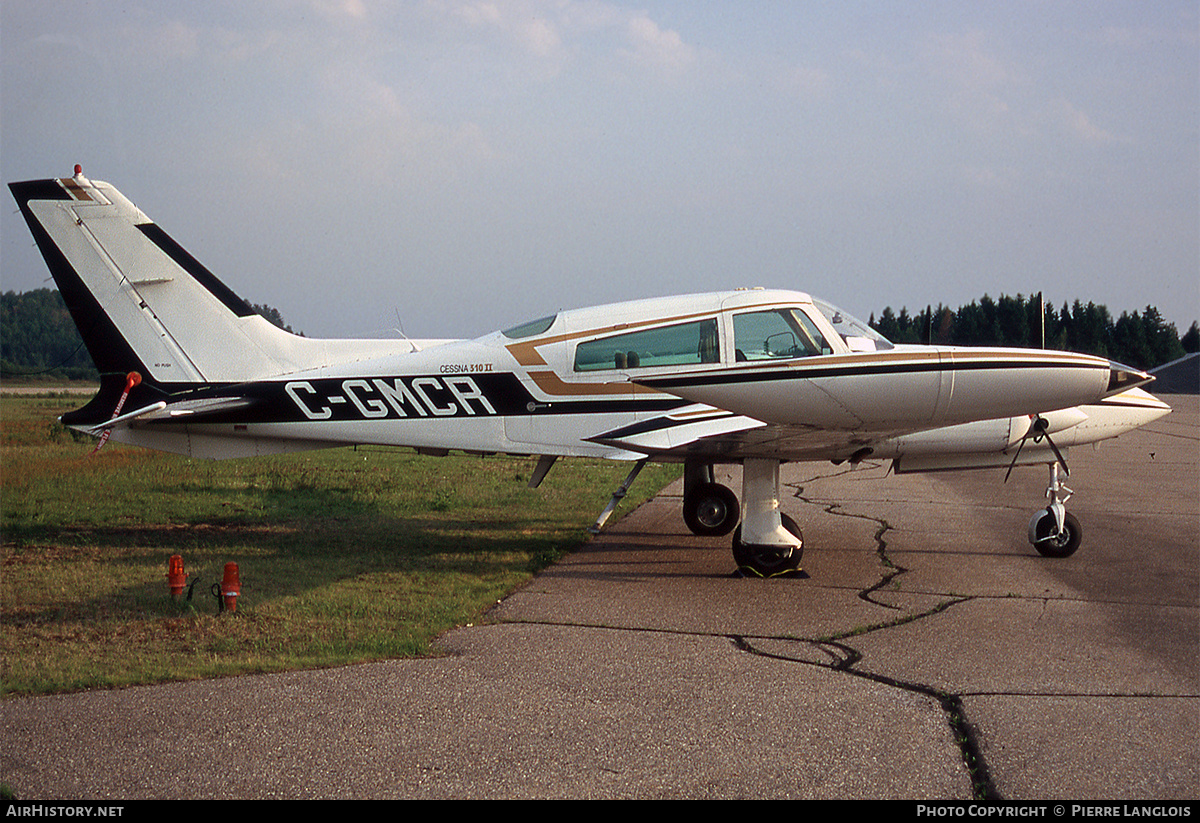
{"x":344,"y":555}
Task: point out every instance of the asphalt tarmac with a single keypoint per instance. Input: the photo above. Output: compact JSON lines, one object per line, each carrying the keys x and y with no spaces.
{"x":929,"y":653}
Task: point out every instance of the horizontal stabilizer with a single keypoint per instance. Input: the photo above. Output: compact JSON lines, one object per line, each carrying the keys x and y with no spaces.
{"x":185,"y":410}
{"x":128,"y":416}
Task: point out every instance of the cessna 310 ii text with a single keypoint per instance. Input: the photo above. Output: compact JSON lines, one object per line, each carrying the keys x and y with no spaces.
{"x":750,"y":377}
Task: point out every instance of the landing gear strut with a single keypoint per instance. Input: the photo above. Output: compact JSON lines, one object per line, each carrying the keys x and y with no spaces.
{"x":768,"y":543}
{"x":1053,"y":531}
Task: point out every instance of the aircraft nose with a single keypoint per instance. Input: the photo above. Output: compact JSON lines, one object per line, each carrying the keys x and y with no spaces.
{"x":1122,"y":378}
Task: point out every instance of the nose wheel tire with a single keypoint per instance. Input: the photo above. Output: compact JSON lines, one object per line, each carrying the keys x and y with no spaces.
{"x":711,"y":509}
{"x":1050,"y":544}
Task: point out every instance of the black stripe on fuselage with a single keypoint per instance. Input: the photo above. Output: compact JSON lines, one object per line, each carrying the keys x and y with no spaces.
{"x":855,"y":370}
{"x":407,"y":397}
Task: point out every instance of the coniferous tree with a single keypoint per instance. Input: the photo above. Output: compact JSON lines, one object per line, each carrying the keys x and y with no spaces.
{"x":1139,"y":339}
{"x":1191,"y":338}
{"x":38,"y":338}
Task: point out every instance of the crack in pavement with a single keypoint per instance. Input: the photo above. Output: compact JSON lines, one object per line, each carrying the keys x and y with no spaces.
{"x":892,"y":570}
{"x":844,"y":657}
{"x":876,"y":575}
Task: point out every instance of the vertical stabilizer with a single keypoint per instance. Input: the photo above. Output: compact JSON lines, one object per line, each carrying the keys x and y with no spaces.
{"x":140,"y":301}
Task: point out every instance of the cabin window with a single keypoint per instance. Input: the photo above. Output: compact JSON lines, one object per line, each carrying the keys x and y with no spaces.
{"x":776,"y":334}
{"x":687,"y":344}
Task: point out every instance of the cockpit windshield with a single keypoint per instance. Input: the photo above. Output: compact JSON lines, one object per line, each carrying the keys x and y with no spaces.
{"x":857,"y":334}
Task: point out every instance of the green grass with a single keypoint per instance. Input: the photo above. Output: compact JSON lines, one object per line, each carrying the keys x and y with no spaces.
{"x":344,"y":555}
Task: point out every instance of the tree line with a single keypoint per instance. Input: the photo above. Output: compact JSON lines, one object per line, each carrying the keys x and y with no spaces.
{"x":1143,"y":339}
{"x":38,"y":338}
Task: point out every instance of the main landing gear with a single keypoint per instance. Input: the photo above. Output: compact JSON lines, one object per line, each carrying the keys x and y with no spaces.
{"x":1054,"y":531}
{"x":766,"y":543}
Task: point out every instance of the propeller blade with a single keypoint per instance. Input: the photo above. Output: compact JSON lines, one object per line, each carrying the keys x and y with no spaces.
{"x":1020,"y":446}
{"x":1038,"y":430}
{"x":1058,"y":454}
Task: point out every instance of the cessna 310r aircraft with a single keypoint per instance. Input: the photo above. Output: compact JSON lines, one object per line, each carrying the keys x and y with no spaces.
{"x":749,"y":377}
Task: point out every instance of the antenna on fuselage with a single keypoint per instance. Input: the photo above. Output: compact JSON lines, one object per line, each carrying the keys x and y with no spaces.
{"x":399,"y":329}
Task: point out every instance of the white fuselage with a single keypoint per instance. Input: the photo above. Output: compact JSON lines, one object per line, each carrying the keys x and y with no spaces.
{"x":529,"y":395}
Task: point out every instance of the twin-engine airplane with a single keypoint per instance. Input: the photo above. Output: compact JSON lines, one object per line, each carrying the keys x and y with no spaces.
{"x":748,"y":377}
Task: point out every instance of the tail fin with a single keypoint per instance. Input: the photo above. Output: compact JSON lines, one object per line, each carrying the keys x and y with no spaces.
{"x":141,"y":302}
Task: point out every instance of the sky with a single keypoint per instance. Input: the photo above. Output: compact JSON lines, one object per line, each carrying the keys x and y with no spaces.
{"x":443,"y":168}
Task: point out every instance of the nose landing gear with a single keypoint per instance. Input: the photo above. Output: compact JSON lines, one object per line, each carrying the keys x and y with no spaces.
{"x":1054,"y":531}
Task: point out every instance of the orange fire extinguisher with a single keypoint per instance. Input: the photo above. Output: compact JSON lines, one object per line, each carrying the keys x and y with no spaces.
{"x":175,"y":575}
{"x":231,"y":587}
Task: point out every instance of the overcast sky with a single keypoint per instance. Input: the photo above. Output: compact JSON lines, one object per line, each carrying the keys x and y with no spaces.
{"x":450,"y":166}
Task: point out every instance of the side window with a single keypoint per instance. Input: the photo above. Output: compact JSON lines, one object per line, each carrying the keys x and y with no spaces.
{"x":683,"y":345}
{"x":776,"y":334}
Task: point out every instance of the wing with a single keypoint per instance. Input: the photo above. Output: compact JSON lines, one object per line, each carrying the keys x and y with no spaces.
{"x":904,"y":389}
{"x":707,"y":433}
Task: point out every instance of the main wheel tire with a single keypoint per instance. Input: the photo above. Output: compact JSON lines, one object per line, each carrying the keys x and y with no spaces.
{"x":1049,"y":544}
{"x":711,"y":510}
{"x":768,"y":561}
